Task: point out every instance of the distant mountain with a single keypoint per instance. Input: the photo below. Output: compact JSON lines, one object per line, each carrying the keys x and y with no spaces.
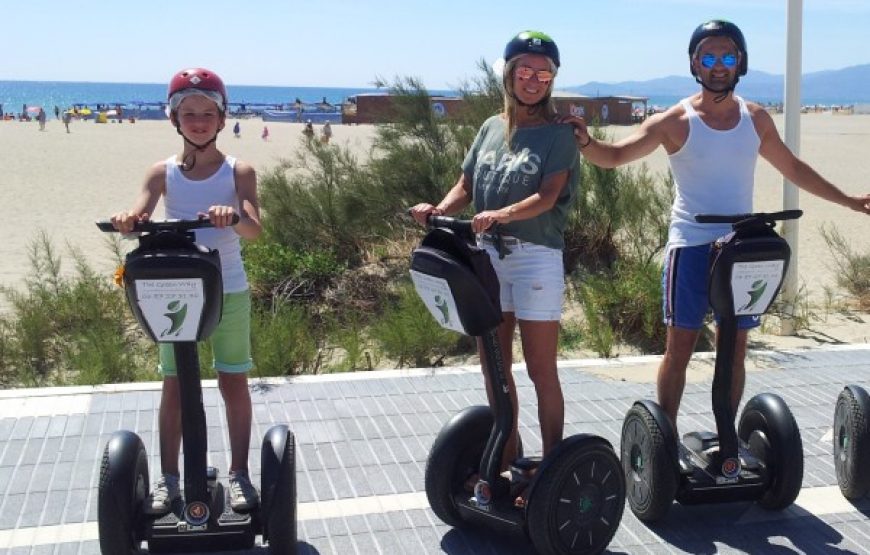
{"x":840,"y":86}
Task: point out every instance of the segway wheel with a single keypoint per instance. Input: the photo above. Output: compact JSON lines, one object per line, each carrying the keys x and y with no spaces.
{"x":278,"y":490}
{"x":454,"y":457}
{"x":122,"y":490}
{"x":851,"y":444}
{"x":576,"y":501}
{"x":771,"y":431}
{"x":650,"y":475}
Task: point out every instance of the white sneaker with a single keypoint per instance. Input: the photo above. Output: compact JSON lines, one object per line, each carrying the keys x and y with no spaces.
{"x":243,"y":495}
{"x":165,"y":492}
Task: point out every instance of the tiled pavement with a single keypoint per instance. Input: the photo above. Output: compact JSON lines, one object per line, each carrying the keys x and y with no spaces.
{"x":362,"y":441}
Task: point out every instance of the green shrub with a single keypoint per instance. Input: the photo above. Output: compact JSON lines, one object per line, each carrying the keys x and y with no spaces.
{"x":274,"y":269}
{"x":282,"y":341}
{"x":853,"y":269}
{"x":409,"y":334}
{"x":74,"y":329}
{"x":623,"y":305}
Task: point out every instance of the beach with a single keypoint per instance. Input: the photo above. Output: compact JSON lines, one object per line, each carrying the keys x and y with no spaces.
{"x":61,"y":183}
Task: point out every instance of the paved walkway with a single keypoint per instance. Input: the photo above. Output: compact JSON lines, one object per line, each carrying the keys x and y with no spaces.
{"x":362,"y":441}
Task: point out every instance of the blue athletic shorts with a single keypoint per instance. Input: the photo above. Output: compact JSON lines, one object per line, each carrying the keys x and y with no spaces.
{"x":230,"y":341}
{"x":685,"y":299}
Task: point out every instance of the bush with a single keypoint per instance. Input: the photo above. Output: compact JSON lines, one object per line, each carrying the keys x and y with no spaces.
{"x":853,"y":269}
{"x":409,"y":334}
{"x":276,"y":270}
{"x":624,"y":305}
{"x":69,"y":329}
{"x":282,"y":341}
{"x":614,"y":240}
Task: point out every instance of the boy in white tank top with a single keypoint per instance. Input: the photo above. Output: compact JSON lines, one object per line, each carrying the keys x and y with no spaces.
{"x":713,"y":140}
{"x":204,"y":182}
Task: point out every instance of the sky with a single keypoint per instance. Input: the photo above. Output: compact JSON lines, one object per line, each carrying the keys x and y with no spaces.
{"x":350,"y":43}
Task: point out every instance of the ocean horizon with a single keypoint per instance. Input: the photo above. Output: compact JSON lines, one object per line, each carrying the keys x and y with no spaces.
{"x":15,"y":95}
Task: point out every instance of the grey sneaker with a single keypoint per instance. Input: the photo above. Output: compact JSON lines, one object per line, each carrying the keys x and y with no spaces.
{"x":243,"y":495}
{"x":166,"y":491}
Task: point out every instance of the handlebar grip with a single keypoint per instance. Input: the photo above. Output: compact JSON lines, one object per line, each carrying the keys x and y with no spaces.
{"x":461,"y":226}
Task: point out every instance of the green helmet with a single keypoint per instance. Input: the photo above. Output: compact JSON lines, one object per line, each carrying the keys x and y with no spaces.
{"x":532,"y":42}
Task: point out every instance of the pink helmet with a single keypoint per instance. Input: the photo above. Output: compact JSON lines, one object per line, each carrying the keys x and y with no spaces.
{"x":196,"y":80}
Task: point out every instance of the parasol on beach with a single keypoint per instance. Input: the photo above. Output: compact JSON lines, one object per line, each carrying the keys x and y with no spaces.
{"x":33,"y":109}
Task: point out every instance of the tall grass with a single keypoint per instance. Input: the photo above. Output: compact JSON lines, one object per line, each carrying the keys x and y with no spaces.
{"x":68,"y":329}
{"x":853,"y":269}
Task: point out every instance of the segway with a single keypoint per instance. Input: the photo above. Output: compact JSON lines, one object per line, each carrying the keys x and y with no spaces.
{"x":852,"y":442}
{"x":175,"y":290}
{"x":575,"y":495}
{"x":762,"y":460}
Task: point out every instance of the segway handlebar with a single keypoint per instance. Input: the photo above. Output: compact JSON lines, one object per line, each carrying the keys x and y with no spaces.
{"x":149,"y":226}
{"x":460,"y":226}
{"x":735,"y":218}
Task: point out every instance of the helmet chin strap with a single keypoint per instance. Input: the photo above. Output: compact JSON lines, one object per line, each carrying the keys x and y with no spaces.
{"x":721,"y":94}
{"x":189,"y":160}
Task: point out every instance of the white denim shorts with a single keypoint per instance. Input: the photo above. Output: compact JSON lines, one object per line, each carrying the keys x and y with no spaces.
{"x":532,"y":279}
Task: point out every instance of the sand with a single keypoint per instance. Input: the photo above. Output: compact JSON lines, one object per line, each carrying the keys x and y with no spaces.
{"x":61,"y":183}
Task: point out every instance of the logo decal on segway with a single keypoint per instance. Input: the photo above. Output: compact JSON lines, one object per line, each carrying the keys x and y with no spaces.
{"x":196,"y":513}
{"x":177,"y":313}
{"x":482,"y":494}
{"x":731,"y":468}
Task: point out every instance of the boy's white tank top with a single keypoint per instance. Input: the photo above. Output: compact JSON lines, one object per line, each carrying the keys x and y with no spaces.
{"x":714,"y":173}
{"x":186,"y":198}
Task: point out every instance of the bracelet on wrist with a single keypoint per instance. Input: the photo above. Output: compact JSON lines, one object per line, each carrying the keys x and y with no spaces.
{"x":588,"y":140}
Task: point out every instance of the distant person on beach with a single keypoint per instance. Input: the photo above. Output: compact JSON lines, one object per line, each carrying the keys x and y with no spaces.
{"x":308,"y":130}
{"x":66,"y":119}
{"x":56,"y":112}
{"x":325,"y":103}
{"x":265,"y":135}
{"x":237,"y":130}
{"x":40,"y":117}
{"x":300,"y":108}
{"x":326,"y":133}
{"x":713,"y":140}
{"x":202,"y":181}
{"x":521,"y":175}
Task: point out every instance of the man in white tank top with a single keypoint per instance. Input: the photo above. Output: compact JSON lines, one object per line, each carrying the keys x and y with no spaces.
{"x":713,"y":140}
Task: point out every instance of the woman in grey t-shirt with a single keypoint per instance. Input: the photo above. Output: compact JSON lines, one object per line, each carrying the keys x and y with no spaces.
{"x":521,"y":174}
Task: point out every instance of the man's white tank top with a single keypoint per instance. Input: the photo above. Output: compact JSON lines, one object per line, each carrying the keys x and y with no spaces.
{"x":714,"y":173}
{"x":185,"y":199}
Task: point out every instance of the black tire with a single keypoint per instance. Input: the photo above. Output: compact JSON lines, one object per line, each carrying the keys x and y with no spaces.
{"x":122,"y":490}
{"x":776,"y":441}
{"x":278,"y":490}
{"x":650,"y":476}
{"x":577,"y":499}
{"x":454,"y":457}
{"x":852,"y":444}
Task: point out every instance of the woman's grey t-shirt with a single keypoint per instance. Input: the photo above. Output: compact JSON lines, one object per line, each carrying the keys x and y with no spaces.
{"x":501,"y":177}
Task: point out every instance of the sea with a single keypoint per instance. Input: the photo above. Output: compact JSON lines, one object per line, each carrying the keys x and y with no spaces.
{"x":15,"y":95}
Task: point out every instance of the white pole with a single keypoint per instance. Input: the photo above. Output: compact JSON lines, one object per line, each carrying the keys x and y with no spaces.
{"x":792,"y":109}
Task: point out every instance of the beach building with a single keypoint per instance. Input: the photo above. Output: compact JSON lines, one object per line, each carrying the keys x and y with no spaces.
{"x":605,"y":110}
{"x":381,"y":107}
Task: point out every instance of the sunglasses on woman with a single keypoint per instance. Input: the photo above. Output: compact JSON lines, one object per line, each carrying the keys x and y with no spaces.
{"x":727,"y":60}
{"x":525,"y":73}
